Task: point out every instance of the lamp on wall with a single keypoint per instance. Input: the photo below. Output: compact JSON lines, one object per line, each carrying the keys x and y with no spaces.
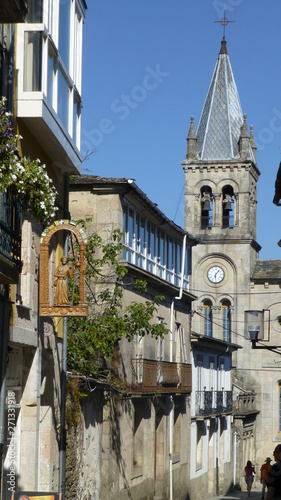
{"x":254,"y":331}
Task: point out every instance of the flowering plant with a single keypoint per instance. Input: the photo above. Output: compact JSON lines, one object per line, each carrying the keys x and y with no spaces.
{"x":34,"y":188}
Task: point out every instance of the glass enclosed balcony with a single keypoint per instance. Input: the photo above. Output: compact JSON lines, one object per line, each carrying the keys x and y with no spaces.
{"x":49,"y":53}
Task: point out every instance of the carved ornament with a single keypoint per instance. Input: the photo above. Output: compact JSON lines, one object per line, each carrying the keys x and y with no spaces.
{"x":61,"y":305}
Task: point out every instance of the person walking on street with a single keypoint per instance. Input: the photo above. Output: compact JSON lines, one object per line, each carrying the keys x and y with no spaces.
{"x":249,"y":476}
{"x":264,"y":474}
{"x":274,"y":477}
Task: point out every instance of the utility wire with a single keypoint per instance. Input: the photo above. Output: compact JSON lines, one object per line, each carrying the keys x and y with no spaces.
{"x":231,"y":331}
{"x":194,"y":290}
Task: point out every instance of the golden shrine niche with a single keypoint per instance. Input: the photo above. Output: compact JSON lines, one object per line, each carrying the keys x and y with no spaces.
{"x":62,"y":306}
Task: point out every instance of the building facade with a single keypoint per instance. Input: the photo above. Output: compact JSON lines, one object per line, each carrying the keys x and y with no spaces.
{"x":211,"y":461}
{"x":10,"y":213}
{"x":41,"y":79}
{"x":144,"y":435}
{"x":237,"y":293}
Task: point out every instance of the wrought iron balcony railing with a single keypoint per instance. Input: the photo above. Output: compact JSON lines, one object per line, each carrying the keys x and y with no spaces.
{"x":213,"y":402}
{"x":10,"y":227}
{"x":151,"y":376}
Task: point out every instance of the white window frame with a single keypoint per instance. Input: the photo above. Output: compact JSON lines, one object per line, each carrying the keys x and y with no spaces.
{"x":134,"y":254}
{"x":49,"y":29}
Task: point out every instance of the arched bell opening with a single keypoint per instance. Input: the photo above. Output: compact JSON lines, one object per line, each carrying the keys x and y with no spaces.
{"x":227,"y":207}
{"x":206,"y":207}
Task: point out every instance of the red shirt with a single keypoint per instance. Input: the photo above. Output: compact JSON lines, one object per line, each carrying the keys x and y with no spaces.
{"x":249,"y":471}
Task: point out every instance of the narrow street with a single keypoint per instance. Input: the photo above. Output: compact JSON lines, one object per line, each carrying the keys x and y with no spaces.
{"x":242,"y":495}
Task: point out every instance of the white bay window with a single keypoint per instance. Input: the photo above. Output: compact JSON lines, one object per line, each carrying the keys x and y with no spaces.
{"x":49,"y":64}
{"x":151,"y":249}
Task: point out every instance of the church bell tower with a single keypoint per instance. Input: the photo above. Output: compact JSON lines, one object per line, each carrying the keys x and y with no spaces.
{"x":221,"y":178}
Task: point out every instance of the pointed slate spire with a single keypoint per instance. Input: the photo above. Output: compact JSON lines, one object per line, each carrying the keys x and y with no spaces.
{"x":191,"y":141}
{"x":221,"y":120}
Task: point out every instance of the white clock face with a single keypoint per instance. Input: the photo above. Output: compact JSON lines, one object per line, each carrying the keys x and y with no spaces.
{"x":216,"y":274}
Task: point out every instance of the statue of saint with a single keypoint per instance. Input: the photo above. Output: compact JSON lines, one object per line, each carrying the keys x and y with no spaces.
{"x":61,"y":274}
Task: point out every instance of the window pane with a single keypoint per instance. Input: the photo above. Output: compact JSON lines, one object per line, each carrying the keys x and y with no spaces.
{"x":34,"y":14}
{"x":178,"y":258}
{"x":63,"y":99}
{"x":50,"y":82}
{"x":32,"y":61}
{"x":51,"y":17}
{"x":152,"y":243}
{"x":125,"y":234}
{"x":64,"y":31}
{"x":131,"y":227}
{"x":76,"y":114}
{"x":77,"y":50}
{"x":162,"y":248}
{"x":226,"y":322}
{"x":150,"y":247}
{"x":142,"y":236}
{"x":186,"y":262}
{"x":131,"y":236}
{"x":207,"y":319}
{"x":170,"y":255}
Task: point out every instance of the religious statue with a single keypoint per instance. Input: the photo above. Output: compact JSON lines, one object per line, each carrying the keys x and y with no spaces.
{"x":62,"y":306}
{"x":61,"y":274}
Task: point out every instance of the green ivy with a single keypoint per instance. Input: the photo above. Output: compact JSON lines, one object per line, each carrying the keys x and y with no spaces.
{"x":92,"y":341}
{"x":35,"y":190}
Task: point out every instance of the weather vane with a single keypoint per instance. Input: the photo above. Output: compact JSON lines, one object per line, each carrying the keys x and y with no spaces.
{"x":224,"y":22}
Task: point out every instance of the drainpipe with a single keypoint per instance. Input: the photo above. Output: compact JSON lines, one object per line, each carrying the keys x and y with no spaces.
{"x":171,"y":447}
{"x":234,"y":457}
{"x":177,"y":298}
{"x":38,"y":403}
{"x":3,"y":375}
{"x":217,"y":420}
{"x":171,"y":406}
{"x":38,"y":391}
{"x":62,"y":455}
{"x":171,"y":360}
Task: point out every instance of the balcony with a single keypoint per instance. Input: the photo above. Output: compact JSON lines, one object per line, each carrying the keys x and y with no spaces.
{"x":13,"y":11}
{"x":151,"y":376}
{"x":245,"y":404}
{"x":213,"y":402}
{"x":10,"y":238}
{"x":48,"y":103}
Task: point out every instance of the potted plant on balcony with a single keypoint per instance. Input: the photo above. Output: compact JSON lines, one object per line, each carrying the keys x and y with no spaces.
{"x":29,"y":178}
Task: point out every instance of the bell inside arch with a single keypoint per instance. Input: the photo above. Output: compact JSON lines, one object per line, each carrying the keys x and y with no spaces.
{"x":206,"y":206}
{"x":227,"y":206}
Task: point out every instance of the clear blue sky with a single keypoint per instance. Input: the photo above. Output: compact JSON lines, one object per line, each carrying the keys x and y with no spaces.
{"x":147,"y":66}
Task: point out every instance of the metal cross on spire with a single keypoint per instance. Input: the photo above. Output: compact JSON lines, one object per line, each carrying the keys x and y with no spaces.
{"x":224,"y":22}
